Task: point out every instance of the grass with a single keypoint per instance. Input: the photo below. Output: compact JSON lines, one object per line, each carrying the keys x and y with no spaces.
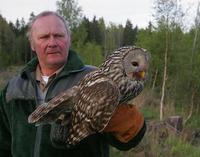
{"x":194,"y":121}
{"x":150,"y":113}
{"x":179,"y":148}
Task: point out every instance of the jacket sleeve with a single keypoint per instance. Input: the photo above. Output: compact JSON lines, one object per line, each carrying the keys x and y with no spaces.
{"x":126,"y":127}
{"x":5,"y":137}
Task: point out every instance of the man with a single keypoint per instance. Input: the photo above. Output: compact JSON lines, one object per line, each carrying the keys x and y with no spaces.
{"x":55,"y":69}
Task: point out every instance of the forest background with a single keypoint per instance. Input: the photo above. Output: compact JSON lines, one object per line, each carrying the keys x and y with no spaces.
{"x":173,"y":84}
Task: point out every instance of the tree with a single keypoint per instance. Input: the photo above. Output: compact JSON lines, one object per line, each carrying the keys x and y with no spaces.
{"x":113,"y":38}
{"x":129,"y":35}
{"x":80,"y":35}
{"x":169,"y":17}
{"x":194,"y":83}
{"x":95,"y":32}
{"x":91,"y":54}
{"x":102,"y":29}
{"x":70,"y":10}
{"x":7,"y":43}
{"x":31,"y":17}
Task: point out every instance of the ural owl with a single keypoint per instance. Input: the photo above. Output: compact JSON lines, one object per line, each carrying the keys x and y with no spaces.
{"x":93,"y":101}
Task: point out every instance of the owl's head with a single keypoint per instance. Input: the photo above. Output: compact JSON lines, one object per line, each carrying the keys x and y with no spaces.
{"x":135,"y":63}
{"x":127,"y":62}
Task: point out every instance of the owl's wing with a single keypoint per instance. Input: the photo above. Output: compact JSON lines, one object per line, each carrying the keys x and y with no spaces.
{"x":59,"y":106}
{"x":93,"y":109}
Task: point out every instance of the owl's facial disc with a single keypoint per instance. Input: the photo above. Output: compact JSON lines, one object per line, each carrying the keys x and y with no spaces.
{"x":136,"y":64}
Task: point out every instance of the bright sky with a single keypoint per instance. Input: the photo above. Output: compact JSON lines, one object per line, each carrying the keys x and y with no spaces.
{"x":116,"y":11}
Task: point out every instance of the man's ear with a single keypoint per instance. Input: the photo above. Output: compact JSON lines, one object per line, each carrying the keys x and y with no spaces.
{"x":69,"y":41}
{"x":32,"y":46}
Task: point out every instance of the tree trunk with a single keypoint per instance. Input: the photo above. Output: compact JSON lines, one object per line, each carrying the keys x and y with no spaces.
{"x":191,"y":106}
{"x":154,"y":80}
{"x":164,"y":77}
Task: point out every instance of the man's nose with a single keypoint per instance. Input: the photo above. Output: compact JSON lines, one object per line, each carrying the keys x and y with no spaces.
{"x":52,"y":41}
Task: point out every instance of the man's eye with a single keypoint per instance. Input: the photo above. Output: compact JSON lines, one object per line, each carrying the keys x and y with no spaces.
{"x":59,"y":35}
{"x":44,"y":37}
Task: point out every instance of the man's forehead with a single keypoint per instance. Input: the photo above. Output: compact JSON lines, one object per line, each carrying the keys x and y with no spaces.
{"x":49,"y":20}
{"x":49,"y":23}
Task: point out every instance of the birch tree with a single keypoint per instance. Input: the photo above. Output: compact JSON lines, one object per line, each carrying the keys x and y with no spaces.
{"x":168,"y":15}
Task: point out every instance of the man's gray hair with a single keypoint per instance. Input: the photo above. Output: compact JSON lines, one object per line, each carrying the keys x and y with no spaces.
{"x":43,"y":14}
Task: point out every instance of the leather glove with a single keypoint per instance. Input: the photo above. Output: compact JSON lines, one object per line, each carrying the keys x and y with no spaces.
{"x":125,"y":123}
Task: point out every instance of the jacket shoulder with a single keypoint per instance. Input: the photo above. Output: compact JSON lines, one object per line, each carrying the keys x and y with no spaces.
{"x":17,"y":88}
{"x":89,"y":68}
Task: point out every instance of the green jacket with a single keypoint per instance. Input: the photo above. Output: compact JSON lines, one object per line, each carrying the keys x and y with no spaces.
{"x":18,"y":138}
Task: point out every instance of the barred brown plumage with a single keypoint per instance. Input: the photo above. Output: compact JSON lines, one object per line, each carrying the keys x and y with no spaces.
{"x":93,"y":101}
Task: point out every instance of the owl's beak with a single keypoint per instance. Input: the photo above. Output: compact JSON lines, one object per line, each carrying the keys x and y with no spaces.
{"x":139,"y":75}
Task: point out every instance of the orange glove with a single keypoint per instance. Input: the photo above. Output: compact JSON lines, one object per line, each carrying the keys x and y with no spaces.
{"x":125,"y":123}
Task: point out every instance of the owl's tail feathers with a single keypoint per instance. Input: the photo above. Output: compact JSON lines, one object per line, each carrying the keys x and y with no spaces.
{"x":77,"y":134}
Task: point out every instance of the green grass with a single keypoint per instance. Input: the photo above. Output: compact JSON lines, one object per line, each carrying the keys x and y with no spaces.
{"x":116,"y":153}
{"x":182,"y":149}
{"x":150,"y":113}
{"x":194,"y":122}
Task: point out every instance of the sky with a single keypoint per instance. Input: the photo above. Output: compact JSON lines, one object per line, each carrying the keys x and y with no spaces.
{"x":139,"y":12}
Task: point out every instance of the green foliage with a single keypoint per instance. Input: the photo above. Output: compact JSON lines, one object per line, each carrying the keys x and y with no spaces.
{"x":22,"y":51}
{"x":70,"y":10}
{"x":150,"y":113}
{"x":95,"y":32}
{"x":153,"y":41}
{"x":91,"y":54}
{"x":80,"y":35}
{"x":7,"y":37}
{"x":182,"y":149}
{"x":5,"y":60}
{"x":7,"y":43}
{"x":129,"y":34}
{"x":194,"y":121}
{"x":113,"y":38}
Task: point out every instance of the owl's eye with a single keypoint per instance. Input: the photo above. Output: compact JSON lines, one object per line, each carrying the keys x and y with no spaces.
{"x":134,"y":64}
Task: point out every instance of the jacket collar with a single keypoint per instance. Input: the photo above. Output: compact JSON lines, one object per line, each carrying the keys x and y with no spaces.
{"x":73,"y":64}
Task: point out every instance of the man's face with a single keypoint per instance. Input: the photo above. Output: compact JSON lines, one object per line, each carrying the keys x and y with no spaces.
{"x":50,"y":41}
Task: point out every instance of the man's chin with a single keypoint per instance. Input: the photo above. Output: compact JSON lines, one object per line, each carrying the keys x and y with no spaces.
{"x":55,"y":64}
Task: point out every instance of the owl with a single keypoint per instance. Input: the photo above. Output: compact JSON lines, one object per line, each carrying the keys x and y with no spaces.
{"x":89,"y":106}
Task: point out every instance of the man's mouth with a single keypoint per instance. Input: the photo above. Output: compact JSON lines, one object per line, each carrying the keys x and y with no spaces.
{"x":52,"y":52}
